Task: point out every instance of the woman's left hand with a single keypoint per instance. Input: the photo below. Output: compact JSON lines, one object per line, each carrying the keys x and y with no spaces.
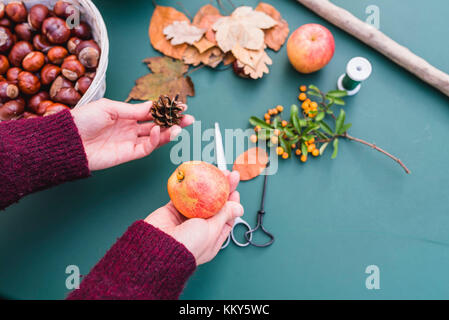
{"x":116,"y":132}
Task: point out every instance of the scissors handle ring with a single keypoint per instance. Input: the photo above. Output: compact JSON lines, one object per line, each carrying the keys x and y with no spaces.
{"x":228,"y":240}
{"x":238,"y":221}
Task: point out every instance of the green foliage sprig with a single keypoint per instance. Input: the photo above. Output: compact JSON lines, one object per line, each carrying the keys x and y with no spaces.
{"x":316,"y":128}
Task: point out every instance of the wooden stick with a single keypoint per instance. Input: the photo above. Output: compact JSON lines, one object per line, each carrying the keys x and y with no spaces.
{"x":380,"y":42}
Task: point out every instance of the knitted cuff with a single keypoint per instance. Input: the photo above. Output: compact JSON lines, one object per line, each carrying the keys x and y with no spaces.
{"x":145,"y":263}
{"x":39,"y":153}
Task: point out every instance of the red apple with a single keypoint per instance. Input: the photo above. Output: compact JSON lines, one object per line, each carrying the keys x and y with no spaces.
{"x":310,"y":48}
{"x":198,"y":189}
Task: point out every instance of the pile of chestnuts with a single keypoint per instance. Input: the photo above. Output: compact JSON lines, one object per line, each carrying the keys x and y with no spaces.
{"x":45,"y":66}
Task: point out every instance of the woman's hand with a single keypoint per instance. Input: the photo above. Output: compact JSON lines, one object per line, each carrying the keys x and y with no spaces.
{"x":115,"y":132}
{"x":203,"y":238}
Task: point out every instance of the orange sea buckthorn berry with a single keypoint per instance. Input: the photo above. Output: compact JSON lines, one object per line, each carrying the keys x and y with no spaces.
{"x":284,"y":123}
{"x":293,"y":146}
{"x":305,"y":105}
{"x":316,"y":153}
{"x":257,"y":128}
{"x":311,"y":147}
{"x":311,"y":140}
{"x":285,"y":155}
{"x":298,"y":152}
{"x":268,"y":121}
{"x":277,"y":132}
{"x":253,"y":138}
{"x":303,"y":158}
{"x":302,"y":96}
{"x":313,"y":105}
{"x":267,"y":116}
{"x":280,"y":151}
{"x":303,"y":88}
{"x":274,"y":140}
{"x":270,"y":112}
{"x":280,"y":108}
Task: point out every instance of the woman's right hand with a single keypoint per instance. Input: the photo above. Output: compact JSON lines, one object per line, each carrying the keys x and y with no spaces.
{"x":202,"y":237}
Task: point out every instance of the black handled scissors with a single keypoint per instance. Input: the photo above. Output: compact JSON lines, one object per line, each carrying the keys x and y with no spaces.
{"x":260,"y":215}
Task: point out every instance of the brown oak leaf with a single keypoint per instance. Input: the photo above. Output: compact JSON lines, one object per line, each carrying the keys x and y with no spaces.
{"x":260,"y":62}
{"x":274,"y":37}
{"x":251,"y":163}
{"x":167,"y":78}
{"x":163,"y":17}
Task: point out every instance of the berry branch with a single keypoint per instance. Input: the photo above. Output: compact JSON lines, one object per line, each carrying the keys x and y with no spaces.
{"x":310,"y":133}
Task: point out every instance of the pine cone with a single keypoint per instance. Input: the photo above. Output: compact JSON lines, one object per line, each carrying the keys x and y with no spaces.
{"x":167,"y":112}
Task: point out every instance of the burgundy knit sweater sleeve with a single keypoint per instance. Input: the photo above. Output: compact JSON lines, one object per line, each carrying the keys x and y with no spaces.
{"x":145,"y":263}
{"x":36,"y":154}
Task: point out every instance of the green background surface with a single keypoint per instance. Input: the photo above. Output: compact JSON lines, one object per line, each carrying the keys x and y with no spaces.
{"x":331,"y":218}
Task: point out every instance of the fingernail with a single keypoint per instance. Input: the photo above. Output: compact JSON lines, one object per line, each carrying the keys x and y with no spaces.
{"x":174,"y":132}
{"x":237,"y":210}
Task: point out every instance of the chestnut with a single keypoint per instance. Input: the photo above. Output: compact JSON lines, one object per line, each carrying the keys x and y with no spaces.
{"x":72,"y":44}
{"x":68,"y":96}
{"x":6,"y":39}
{"x":62,"y":9}
{"x":28,"y":83}
{"x":38,"y":13}
{"x":43,"y":105}
{"x":2,"y":10}
{"x":88,"y":53}
{"x":82,"y":30}
{"x":41,"y":43}
{"x":12,"y":109}
{"x":72,"y":69}
{"x":56,"y":30}
{"x":56,"y":55}
{"x":18,"y":52}
{"x":29,"y":115}
{"x":8,"y":91}
{"x":33,"y":61}
{"x":35,"y":102}
{"x":13,"y":75}
{"x":24,"y":31}
{"x":5,"y":22}
{"x":4,"y":64}
{"x":16,"y":11}
{"x":49,"y":73}
{"x":55,"y":108}
{"x":59,"y":83}
{"x":83,"y":84}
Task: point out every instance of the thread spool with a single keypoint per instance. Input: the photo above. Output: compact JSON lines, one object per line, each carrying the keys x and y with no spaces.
{"x":358,"y":70}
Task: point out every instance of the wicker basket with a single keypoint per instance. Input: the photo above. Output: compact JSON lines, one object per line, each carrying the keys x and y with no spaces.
{"x":91,"y":15}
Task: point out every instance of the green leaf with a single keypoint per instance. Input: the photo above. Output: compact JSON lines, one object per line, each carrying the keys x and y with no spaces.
{"x":286,"y":146}
{"x":289,"y":133}
{"x":304,"y":149}
{"x":302,"y":123}
{"x":313,"y":93}
{"x":335,"y":153}
{"x":339,"y":101}
{"x":337,"y":93}
{"x":321,"y":135}
{"x":323,"y":147}
{"x":345,"y":128}
{"x":320,"y":116}
{"x":340,"y":121}
{"x":277,"y":122}
{"x":314,"y":88}
{"x":326,"y":128}
{"x":295,"y":118}
{"x":258,"y":122}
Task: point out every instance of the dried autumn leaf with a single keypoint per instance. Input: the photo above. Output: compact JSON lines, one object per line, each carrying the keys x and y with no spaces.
{"x":228,"y":59}
{"x":162,"y":17}
{"x":274,"y":37}
{"x":244,"y":27}
{"x":260,"y":67}
{"x":180,"y":32}
{"x":167,"y":78}
{"x":205,"y":19}
{"x":203,"y":45}
{"x":211,"y":57}
{"x":251,"y":163}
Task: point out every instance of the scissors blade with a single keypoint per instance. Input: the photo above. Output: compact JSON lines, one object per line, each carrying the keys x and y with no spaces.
{"x":219,"y":149}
